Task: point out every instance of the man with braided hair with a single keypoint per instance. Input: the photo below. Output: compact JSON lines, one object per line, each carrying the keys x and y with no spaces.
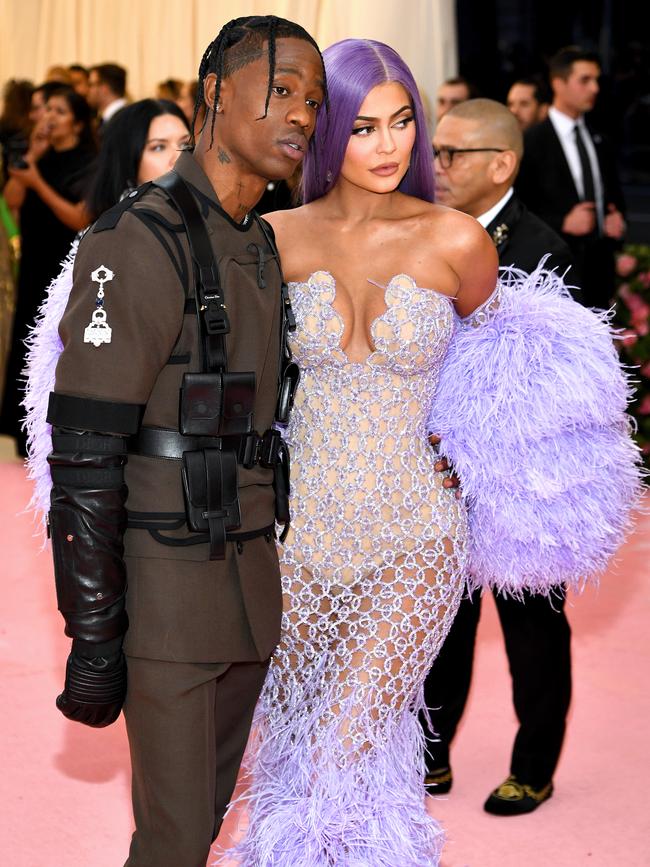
{"x":178,"y":289}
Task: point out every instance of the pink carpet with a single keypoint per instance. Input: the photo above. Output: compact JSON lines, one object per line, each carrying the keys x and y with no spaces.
{"x":65,"y":798}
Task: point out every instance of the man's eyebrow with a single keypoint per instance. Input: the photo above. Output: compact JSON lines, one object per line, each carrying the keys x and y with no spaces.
{"x":394,"y":114}
{"x":293,"y":70}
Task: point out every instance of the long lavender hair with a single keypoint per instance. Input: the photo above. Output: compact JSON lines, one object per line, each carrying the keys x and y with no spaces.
{"x":353,"y":67}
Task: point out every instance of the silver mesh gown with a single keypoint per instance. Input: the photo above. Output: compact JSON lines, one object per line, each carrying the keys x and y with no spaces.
{"x":373,"y":571}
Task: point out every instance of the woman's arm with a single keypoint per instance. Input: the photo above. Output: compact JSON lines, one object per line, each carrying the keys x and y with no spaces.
{"x":71,"y":214}
{"x":474,"y":258}
{"x":14,"y":192}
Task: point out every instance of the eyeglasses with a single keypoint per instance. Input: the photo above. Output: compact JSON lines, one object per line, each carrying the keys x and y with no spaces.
{"x":446,"y":155}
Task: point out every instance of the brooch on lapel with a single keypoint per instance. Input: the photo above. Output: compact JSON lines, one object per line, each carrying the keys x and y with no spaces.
{"x":500,"y":234}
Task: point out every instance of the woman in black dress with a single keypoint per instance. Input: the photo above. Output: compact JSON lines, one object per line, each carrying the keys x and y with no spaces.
{"x":51,"y":214}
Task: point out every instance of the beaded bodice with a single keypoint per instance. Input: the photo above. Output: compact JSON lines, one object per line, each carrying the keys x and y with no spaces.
{"x":411,"y":336}
{"x":362,"y":464}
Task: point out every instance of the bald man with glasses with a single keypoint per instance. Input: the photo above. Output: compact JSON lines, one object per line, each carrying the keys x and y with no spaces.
{"x":477,"y":150}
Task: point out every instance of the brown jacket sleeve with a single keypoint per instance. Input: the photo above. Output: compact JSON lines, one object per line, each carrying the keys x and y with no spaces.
{"x":144,"y":309}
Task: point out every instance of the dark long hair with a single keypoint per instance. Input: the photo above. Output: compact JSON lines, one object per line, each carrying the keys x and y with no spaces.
{"x":81,"y":111}
{"x":17,"y":94}
{"x":121,"y":151}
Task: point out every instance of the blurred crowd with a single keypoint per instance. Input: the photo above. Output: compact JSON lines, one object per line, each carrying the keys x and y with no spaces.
{"x":70,"y":148}
{"x":75,"y":144}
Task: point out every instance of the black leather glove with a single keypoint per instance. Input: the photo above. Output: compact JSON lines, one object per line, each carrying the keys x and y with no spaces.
{"x":94,"y":689}
{"x":87,"y":523}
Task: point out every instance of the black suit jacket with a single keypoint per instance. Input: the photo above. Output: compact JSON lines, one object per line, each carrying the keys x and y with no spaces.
{"x":545,"y":183}
{"x":521,"y":239}
{"x":546,"y":186}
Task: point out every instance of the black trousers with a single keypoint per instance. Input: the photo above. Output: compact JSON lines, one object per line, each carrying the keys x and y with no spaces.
{"x":538,"y":643}
{"x":188,"y":724}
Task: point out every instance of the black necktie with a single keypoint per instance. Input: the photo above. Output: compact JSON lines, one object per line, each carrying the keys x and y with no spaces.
{"x":585,"y":163}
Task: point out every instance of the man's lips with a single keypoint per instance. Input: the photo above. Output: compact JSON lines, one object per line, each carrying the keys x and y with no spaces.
{"x":386,"y":169}
{"x":294,"y":146}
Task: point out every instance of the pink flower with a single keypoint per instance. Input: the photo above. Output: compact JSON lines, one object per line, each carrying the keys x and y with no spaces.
{"x":634,"y":303}
{"x":625,"y":264}
{"x":629,"y":338}
{"x":645,"y":370}
{"x":644,"y":279}
{"x":644,"y":406}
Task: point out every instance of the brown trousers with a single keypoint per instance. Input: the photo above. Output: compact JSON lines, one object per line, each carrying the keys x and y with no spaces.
{"x":187,"y":724}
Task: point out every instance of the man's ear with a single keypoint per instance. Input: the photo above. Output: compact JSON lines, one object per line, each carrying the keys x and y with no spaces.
{"x":503,"y":166}
{"x":209,"y":89}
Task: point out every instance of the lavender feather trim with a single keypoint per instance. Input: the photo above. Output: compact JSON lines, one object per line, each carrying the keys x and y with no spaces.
{"x":530,"y":408}
{"x":43,"y":349}
{"x":311,"y":806}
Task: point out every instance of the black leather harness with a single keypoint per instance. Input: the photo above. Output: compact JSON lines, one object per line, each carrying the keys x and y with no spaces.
{"x":215,"y":433}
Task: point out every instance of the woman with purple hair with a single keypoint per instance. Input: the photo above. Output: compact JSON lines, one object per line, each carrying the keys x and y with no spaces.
{"x":400,"y":332}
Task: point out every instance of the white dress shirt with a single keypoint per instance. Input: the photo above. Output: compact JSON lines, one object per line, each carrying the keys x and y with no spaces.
{"x":486,"y":218}
{"x":564,"y":127}
{"x":112,"y":108}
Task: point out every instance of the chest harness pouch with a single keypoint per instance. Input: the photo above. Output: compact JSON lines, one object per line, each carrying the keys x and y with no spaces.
{"x":216,"y":406}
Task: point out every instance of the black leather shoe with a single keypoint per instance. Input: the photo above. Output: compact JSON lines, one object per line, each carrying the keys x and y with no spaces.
{"x":513,"y":798}
{"x":438,"y":781}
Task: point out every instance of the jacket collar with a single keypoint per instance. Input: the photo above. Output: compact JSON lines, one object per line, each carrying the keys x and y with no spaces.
{"x":189,"y":169}
{"x":501,"y":226}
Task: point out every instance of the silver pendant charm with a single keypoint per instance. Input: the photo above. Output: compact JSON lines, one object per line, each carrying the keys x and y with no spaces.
{"x":99,"y":331}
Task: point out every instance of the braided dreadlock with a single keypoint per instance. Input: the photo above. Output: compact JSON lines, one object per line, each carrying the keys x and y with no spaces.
{"x":238,"y":43}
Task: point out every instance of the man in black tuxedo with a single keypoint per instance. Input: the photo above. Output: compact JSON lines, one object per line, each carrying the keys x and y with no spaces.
{"x":478,"y":147}
{"x":529,"y":100}
{"x":568,"y":175}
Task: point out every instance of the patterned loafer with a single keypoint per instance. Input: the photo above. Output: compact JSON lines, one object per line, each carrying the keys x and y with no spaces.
{"x":438,"y":781}
{"x":513,"y":798}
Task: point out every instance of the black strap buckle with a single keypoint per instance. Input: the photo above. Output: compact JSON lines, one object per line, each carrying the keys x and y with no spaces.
{"x":215,"y":316}
{"x":250,"y":453}
{"x":288,"y":387}
{"x":289,"y":316}
{"x":270,"y":447}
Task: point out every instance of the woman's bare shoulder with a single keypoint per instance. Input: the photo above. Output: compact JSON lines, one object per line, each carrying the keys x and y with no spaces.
{"x":290,"y":220}
{"x":466,"y":248}
{"x":440,"y":218}
{"x":295,"y":233}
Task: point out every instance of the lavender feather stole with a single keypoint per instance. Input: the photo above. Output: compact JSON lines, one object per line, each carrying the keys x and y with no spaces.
{"x":531,"y":410}
{"x":43,"y":349}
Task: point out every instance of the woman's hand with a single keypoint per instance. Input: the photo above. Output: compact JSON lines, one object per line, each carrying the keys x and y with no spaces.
{"x":39,"y":140}
{"x":442,"y":466}
{"x":30,"y":177}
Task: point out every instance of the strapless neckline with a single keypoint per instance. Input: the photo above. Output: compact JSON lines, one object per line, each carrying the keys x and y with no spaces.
{"x":325,"y":280}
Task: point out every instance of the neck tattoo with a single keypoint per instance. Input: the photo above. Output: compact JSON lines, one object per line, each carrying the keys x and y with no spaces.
{"x":222,"y":156}
{"x":244,"y":209}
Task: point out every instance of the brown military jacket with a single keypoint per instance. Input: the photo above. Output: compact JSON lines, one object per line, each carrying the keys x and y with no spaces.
{"x":181,"y":606}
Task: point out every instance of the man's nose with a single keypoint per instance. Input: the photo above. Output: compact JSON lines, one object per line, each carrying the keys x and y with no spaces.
{"x":300,"y":114}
